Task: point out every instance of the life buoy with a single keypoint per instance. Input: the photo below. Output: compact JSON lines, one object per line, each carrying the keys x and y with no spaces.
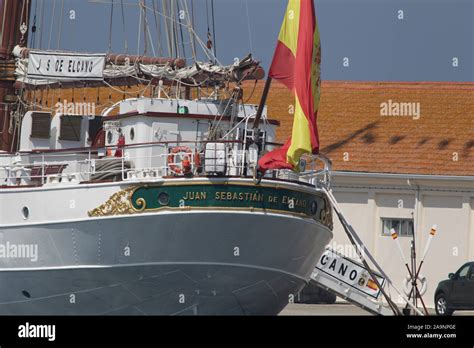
{"x":421,"y":280}
{"x":184,"y":167}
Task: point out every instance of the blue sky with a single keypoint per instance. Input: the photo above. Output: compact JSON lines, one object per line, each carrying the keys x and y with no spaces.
{"x":379,"y":46}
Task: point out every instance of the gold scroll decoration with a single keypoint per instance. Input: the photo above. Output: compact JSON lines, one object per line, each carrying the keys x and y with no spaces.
{"x":118,"y":204}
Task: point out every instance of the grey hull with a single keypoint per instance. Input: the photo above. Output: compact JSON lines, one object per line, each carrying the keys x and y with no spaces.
{"x":202,"y":263}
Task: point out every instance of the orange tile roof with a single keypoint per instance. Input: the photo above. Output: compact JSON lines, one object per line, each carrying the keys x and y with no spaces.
{"x":357,"y":138}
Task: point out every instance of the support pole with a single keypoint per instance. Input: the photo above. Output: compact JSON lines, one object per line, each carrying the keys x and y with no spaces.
{"x":263,"y":101}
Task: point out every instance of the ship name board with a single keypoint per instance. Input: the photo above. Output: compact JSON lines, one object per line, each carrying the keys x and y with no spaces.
{"x":65,"y":66}
{"x":267,"y":198}
{"x":245,"y":197}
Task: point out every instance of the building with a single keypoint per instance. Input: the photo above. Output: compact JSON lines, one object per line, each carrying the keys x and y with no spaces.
{"x":411,"y":168}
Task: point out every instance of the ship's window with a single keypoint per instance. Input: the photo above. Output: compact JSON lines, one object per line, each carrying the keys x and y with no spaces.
{"x":132,"y":134}
{"x":163,"y":198}
{"x":25,"y":212}
{"x":70,"y":128}
{"x":403,"y":227}
{"x":109,"y":137}
{"x":40,"y":125}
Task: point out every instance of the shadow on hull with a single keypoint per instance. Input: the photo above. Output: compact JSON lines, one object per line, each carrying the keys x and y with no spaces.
{"x":148,"y":290}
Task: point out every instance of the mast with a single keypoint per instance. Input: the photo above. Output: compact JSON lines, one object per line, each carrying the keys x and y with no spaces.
{"x":13,"y":13}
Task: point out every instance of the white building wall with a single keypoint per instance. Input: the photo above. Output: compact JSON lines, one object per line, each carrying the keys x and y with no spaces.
{"x":471,"y":228}
{"x":448,"y":203}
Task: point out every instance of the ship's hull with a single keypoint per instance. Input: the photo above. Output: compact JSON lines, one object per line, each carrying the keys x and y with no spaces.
{"x":165,"y":263}
{"x":196,"y":260}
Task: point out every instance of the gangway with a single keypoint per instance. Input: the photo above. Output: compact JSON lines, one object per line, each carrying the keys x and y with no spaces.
{"x":351,"y":281}
{"x":329,"y":275}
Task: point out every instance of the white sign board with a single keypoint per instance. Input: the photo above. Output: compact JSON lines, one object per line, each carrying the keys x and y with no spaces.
{"x":349,"y":272}
{"x":65,"y":66}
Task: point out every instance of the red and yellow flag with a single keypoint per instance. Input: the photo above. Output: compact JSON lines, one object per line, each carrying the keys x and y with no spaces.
{"x":297,"y":64}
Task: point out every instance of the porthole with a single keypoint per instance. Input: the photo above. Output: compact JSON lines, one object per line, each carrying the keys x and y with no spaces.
{"x":109,"y":137}
{"x":163,"y":198}
{"x":132,"y":134}
{"x":25,"y":212}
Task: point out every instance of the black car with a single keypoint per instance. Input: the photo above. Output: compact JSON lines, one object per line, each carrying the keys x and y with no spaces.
{"x":457,"y":292}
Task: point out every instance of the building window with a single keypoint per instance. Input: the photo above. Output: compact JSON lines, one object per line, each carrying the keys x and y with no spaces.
{"x":70,"y":128}
{"x":40,"y":125}
{"x":403,"y":227}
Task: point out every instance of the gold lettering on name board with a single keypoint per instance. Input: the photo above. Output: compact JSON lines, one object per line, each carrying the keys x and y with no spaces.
{"x":195,"y":196}
{"x":251,"y":197}
{"x":273,"y":199}
{"x":239,"y":196}
{"x":294,"y":201}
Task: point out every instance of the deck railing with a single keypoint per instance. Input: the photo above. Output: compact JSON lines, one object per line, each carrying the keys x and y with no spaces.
{"x":145,"y":161}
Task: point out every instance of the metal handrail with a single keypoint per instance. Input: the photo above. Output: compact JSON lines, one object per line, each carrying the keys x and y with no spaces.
{"x":314,"y":174}
{"x":87,"y":161}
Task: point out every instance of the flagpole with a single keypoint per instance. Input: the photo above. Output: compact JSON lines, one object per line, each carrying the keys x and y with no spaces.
{"x":263,"y":101}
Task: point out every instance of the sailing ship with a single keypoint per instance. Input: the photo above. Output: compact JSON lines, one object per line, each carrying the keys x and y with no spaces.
{"x":155,"y":205}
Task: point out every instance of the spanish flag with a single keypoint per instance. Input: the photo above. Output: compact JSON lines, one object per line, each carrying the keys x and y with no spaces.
{"x":297,"y":64}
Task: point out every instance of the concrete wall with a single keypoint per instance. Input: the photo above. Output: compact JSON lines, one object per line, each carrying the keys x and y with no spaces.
{"x":448,"y":203}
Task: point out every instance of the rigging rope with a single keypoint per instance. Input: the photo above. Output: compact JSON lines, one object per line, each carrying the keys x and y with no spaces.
{"x":175,"y":30}
{"x":33,"y":27}
{"x":21,"y":21}
{"x":41,"y":24}
{"x":208,"y":52}
{"x":147,"y":31}
{"x":124,"y":28}
{"x":193,"y":38}
{"x":158,"y":27}
{"x":111,"y":25}
{"x":181,"y":28}
{"x":145,"y":26}
{"x":139,"y":31}
{"x":249,"y":27}
{"x":209,"y":38}
{"x":52,"y":22}
{"x":190,"y":20}
{"x":167,"y":27}
{"x":214,"y":28}
{"x":60,"y":24}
